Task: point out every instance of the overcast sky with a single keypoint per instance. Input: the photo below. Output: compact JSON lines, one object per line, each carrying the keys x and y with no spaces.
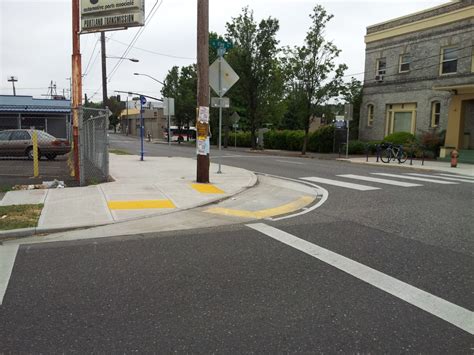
{"x":36,"y":44}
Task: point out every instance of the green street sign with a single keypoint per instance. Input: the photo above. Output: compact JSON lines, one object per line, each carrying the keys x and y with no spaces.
{"x":216,"y":44}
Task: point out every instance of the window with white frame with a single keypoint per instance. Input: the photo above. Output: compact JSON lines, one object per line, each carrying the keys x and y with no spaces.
{"x":370,"y":115}
{"x":401,"y":118}
{"x":405,"y":60}
{"x":381,"y":66}
{"x":435,"y":113}
{"x":449,"y":60}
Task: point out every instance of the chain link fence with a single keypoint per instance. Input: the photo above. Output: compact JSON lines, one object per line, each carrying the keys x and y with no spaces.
{"x":93,"y":145}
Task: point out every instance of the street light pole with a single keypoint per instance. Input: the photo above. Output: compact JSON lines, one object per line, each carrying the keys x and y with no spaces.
{"x":104,"y":70}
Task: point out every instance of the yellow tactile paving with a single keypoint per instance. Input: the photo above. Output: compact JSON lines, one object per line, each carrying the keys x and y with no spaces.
{"x":207,"y":189}
{"x":269,"y":212}
{"x":140,"y":205}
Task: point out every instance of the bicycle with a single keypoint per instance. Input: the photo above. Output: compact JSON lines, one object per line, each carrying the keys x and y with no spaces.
{"x":393,"y":152}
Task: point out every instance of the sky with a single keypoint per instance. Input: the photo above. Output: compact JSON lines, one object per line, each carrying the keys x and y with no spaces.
{"x":36,"y":39}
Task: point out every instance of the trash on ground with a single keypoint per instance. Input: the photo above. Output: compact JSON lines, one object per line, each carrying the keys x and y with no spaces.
{"x":55,"y":184}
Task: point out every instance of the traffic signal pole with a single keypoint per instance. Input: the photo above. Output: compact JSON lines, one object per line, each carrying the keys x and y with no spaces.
{"x":202,"y":175}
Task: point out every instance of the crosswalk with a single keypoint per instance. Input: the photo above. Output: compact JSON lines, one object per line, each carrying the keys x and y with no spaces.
{"x":398,"y":180}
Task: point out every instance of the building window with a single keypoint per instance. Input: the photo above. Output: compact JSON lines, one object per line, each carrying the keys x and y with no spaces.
{"x":435,"y":113}
{"x":400,"y":118}
{"x":405,"y":60}
{"x":449,"y":60}
{"x":370,"y":115}
{"x":381,"y":66}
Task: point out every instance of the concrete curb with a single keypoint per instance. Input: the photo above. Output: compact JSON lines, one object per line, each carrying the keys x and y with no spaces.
{"x":29,"y":232}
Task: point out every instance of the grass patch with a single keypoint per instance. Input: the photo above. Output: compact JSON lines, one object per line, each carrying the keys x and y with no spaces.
{"x":5,"y":188}
{"x":119,"y":152}
{"x":19,"y":216}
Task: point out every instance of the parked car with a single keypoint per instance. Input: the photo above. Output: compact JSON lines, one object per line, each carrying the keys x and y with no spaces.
{"x":19,"y":142}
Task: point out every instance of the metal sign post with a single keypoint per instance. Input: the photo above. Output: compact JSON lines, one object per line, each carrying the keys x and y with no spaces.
{"x":168,"y":110}
{"x":142,"y":128}
{"x":348,"y":114}
{"x":220,"y":53}
{"x":223,"y":69}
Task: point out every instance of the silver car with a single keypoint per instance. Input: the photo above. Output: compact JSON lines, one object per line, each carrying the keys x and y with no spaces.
{"x":19,"y":142}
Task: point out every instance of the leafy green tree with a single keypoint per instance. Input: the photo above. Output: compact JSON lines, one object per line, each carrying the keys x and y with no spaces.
{"x":181,"y":84}
{"x":254,"y":58}
{"x":312,"y":66}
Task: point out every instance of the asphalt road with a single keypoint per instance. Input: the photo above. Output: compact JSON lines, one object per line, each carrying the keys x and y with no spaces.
{"x":244,"y":289}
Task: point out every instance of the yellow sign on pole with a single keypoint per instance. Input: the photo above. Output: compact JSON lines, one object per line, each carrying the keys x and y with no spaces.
{"x":35,"y":154}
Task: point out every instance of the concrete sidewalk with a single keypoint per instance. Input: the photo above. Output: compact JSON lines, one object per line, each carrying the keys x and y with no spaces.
{"x":444,"y":166}
{"x":154,"y":186}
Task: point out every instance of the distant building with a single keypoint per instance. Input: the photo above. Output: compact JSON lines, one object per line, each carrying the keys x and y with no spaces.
{"x":52,"y":116}
{"x":419,"y":75}
{"x":154,"y":121}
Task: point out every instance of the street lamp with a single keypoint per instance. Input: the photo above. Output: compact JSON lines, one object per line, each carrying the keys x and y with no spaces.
{"x":162,"y":83}
{"x":135,"y":60}
{"x":104,"y":71}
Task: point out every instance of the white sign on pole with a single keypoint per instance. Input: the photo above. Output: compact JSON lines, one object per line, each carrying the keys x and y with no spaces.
{"x":348,"y":112}
{"x":228,"y":76}
{"x":102,"y":15}
{"x":168,"y":104}
{"x":223,"y":102}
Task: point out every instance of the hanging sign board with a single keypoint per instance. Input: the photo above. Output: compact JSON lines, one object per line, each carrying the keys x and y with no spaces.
{"x":106,"y":15}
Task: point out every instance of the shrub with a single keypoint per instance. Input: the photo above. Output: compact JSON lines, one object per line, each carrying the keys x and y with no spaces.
{"x":431,"y":141}
{"x":400,"y":138}
{"x":357,"y":147}
{"x":322,"y":140}
{"x":243,"y":139}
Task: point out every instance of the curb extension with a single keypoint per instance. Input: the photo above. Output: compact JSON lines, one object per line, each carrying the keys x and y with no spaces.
{"x":36,"y":231}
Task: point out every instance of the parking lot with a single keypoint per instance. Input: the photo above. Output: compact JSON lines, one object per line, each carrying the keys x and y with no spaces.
{"x":19,"y":171}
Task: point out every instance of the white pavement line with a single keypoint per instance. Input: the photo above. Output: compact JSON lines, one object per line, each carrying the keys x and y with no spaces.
{"x":289,"y":162}
{"x":442,"y":177}
{"x":458,"y":176}
{"x":340,"y":183}
{"x":380,"y":181}
{"x":418,"y":179}
{"x":7,"y":260}
{"x":450,"y":312}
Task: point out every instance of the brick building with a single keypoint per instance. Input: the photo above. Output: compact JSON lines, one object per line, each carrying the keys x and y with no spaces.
{"x":419,"y":75}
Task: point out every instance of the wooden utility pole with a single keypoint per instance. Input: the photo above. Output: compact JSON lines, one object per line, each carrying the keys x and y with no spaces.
{"x":76,"y":84}
{"x":202,"y":138}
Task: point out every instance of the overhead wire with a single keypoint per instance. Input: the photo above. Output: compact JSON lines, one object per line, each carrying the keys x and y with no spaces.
{"x":150,"y":15}
{"x":137,"y":35}
{"x":153,"y":52}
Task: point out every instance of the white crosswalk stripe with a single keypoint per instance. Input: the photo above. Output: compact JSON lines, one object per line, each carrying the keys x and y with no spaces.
{"x":340,"y":183}
{"x":380,"y":181}
{"x":418,"y":178}
{"x":458,"y":176}
{"x":442,"y":177}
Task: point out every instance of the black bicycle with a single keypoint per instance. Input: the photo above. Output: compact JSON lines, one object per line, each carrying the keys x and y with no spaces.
{"x":393,"y":152}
